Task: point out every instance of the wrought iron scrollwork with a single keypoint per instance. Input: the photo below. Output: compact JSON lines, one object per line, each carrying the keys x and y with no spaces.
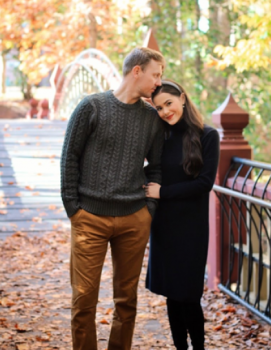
{"x":245,"y":200}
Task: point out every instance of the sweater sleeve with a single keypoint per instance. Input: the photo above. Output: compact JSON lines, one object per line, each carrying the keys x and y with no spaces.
{"x":203,"y":183}
{"x":153,"y":169}
{"x":80,"y":125}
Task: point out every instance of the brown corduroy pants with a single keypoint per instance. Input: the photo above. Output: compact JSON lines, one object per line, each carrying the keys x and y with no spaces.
{"x":128,"y":236}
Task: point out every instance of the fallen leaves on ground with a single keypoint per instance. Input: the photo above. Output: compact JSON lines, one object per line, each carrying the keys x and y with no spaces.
{"x":35,"y":304}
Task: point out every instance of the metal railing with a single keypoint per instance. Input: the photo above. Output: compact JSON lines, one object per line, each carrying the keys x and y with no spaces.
{"x":245,"y":202}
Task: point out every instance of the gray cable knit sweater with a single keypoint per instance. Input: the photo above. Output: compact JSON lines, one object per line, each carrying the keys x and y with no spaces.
{"x":103,"y":156}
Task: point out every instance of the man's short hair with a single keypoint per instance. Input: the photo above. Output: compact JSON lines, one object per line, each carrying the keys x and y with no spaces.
{"x":141,"y":56}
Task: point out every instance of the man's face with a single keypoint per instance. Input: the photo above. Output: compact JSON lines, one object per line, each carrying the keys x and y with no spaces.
{"x":150,"y":78}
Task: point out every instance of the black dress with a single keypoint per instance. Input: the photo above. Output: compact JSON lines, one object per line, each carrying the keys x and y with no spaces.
{"x":180,"y":228}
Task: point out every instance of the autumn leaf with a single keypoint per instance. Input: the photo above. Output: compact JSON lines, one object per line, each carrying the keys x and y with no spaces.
{"x":37,"y":219}
{"x":43,"y":338}
{"x":228,"y":309}
{"x":24,"y":210}
{"x":247,"y":322}
{"x":158,"y":302}
{"x":104,"y":321}
{"x":22,"y":346}
{"x":22,"y":328}
{"x":19,"y":234}
{"x":218,"y":327}
{"x":264,"y":335}
{"x":5,"y":302}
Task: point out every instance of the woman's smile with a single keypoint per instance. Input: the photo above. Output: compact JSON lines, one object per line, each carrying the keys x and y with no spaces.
{"x":170,"y":116}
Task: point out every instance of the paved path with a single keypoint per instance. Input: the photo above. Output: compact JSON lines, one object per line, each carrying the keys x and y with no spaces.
{"x":30,"y":177}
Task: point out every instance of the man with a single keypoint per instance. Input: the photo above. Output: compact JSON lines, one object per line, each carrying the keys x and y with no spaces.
{"x":107,"y":139}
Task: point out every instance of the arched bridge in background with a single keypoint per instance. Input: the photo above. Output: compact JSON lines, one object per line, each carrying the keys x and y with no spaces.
{"x":91,"y":72}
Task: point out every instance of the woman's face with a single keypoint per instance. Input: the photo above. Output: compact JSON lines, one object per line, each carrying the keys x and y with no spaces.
{"x":169,"y":107}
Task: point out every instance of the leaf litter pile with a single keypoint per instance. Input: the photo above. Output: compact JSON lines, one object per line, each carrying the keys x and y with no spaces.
{"x":35,"y":303}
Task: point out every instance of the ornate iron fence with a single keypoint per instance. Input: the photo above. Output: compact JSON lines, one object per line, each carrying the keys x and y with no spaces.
{"x":245,"y":202}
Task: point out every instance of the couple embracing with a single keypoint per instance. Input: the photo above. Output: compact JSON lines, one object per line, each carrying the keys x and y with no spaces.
{"x":111,"y":198}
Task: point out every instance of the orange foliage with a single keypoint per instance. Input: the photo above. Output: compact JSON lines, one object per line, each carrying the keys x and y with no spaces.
{"x":53,"y":31}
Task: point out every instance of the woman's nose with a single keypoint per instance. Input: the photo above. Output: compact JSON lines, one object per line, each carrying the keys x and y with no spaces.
{"x":165,"y":111}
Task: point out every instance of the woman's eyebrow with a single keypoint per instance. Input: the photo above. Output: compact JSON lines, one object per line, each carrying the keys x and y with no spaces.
{"x":165,"y":102}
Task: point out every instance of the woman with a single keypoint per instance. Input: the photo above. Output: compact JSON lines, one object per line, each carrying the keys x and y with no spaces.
{"x":179,"y":237}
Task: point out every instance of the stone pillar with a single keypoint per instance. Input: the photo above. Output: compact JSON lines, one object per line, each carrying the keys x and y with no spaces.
{"x":33,"y":111}
{"x":43,"y":112}
{"x":230,"y":120}
{"x":56,"y":90}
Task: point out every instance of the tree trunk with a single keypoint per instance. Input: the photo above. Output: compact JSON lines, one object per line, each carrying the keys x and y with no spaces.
{"x":220,"y":28}
{"x":3,"y":78}
{"x":92,"y":30}
{"x":28,"y":92}
{"x":219,"y":21}
{"x":198,"y":61}
{"x":26,"y":88}
{"x":92,"y":27}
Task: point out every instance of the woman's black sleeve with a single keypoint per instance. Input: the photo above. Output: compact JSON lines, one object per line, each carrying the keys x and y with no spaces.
{"x":203,"y":183}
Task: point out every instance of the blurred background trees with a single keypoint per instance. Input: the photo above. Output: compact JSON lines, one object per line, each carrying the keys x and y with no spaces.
{"x":211,"y":47}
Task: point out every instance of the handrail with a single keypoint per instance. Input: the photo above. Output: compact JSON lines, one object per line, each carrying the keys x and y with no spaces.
{"x":242,"y":302}
{"x":253,"y":163}
{"x":240,"y":195}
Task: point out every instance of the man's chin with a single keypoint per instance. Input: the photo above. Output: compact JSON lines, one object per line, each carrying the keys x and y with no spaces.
{"x":147,"y":95}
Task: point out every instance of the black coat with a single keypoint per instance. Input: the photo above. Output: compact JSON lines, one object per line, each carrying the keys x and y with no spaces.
{"x":180,"y":228}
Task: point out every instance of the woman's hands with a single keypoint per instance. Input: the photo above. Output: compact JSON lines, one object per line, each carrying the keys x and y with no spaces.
{"x":152,"y":190}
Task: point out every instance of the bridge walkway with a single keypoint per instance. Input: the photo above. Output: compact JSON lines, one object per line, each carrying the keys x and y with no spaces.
{"x":30,"y":199}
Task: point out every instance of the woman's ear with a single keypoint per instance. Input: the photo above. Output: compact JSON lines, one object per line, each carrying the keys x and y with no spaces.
{"x":183,"y":99}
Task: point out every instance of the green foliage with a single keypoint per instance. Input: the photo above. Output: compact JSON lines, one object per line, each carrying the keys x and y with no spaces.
{"x":188,"y":50}
{"x":253,"y":93}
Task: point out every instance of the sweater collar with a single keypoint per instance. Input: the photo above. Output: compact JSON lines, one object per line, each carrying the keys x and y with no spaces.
{"x":181,"y":126}
{"x":135,"y":105}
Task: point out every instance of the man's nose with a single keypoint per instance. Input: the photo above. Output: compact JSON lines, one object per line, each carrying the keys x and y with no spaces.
{"x":158,"y":82}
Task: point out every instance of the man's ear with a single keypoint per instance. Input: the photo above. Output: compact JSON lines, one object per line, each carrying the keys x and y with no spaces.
{"x":136,"y":71}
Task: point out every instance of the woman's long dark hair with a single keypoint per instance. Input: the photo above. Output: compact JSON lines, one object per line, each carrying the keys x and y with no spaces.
{"x":192,"y":152}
